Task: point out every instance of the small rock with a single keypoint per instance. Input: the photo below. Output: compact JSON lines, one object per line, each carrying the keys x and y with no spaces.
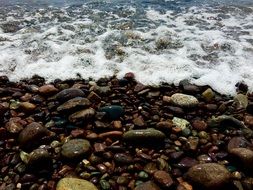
{"x":164,"y":125}
{"x":74,"y":184}
{"x":31,"y":134}
{"x":199,"y":125}
{"x":93,"y":97}
{"x":208,"y":175}
{"x":244,"y":155}
{"x":14,"y":126}
{"x":167,"y":99}
{"x":208,"y":94}
{"x":241,"y":101}
{"x":27,"y":106}
{"x":247,"y":183}
{"x":192,"y":143}
{"x":75,"y":148}
{"x":249,"y":108}
{"x":237,"y":142}
{"x":163,"y":178}
{"x":147,"y":136}
{"x":149,"y":185}
{"x":248,"y":120}
{"x":68,"y":94}
{"x":129,"y":76}
{"x":184,"y":100}
{"x":48,"y":89}
{"x":139,"y":121}
{"x":113,"y":112}
{"x":123,"y":158}
{"x":187,"y":162}
{"x":179,"y":122}
{"x":74,"y":104}
{"x":83,"y":115}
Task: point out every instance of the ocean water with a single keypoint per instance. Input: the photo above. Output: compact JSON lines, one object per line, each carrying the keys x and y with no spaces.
{"x":206,"y":42}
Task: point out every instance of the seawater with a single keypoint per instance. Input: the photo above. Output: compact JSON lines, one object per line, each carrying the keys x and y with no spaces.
{"x":205,"y":42}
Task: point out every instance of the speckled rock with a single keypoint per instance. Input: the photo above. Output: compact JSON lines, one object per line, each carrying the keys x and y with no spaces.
{"x":163,"y":178}
{"x":179,"y":122}
{"x":184,"y":100}
{"x":69,"y":93}
{"x":208,"y":175}
{"x":83,"y":115}
{"x":75,"y":148}
{"x":75,"y":184}
{"x":74,"y":104}
{"x":208,"y":94}
{"x":241,"y":101}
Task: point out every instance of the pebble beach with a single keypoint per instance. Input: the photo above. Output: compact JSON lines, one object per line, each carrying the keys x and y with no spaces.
{"x":119,"y":134}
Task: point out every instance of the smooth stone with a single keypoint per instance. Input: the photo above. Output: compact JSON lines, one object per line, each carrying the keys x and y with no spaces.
{"x":208,"y":94}
{"x":13,"y":126}
{"x":47,"y":89}
{"x":113,"y":112}
{"x":123,"y":158}
{"x":139,"y":121}
{"x":238,"y":142}
{"x":241,"y":101}
{"x":184,"y":100}
{"x":27,"y":106}
{"x":224,"y":121}
{"x":74,"y":104}
{"x":83,"y":115}
{"x":199,"y":125}
{"x":39,"y":159}
{"x":187,"y":162}
{"x":75,"y":184}
{"x":32,"y":133}
{"x":68,"y":94}
{"x":75,"y":148}
{"x":149,"y":135}
{"x":244,"y":155}
{"x":149,"y":185}
{"x":163,"y":178}
{"x":208,"y":175}
{"x":179,"y":122}
{"x":164,"y":125}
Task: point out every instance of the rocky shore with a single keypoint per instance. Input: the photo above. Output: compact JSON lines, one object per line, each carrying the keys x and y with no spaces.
{"x":119,"y":134}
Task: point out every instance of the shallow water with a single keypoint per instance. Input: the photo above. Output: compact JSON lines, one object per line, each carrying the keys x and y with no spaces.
{"x":206,"y":42}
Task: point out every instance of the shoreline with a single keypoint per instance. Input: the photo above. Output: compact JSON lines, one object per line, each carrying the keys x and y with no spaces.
{"x":120,"y":134}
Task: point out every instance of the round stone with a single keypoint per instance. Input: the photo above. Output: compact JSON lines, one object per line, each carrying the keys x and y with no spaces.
{"x":149,"y":185}
{"x":74,"y":104}
{"x":208,"y":175}
{"x":75,"y":148}
{"x":75,"y":184}
{"x":113,"y":112}
{"x":39,"y":159}
{"x":184,"y":100}
{"x":244,"y":155}
{"x":83,"y":115}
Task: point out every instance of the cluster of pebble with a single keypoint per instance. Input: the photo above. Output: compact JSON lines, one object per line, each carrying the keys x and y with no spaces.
{"x":120,"y":134}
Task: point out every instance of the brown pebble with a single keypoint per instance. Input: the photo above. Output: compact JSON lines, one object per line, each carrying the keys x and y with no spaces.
{"x":163,"y":178}
{"x":110,"y":134}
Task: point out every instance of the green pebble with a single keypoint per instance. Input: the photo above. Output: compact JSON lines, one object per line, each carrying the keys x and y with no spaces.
{"x":143,"y":175}
{"x":231,"y":168}
{"x":104,"y":184}
{"x":186,"y":132}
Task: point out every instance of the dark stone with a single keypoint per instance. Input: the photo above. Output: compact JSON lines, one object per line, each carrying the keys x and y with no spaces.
{"x":68,"y":94}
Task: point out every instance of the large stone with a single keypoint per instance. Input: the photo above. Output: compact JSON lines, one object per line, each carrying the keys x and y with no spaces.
{"x":69,"y":93}
{"x":149,"y":185}
{"x":113,"y":112}
{"x":184,"y":100}
{"x":244,"y":155}
{"x":74,"y":104}
{"x":145,"y":136}
{"x":39,"y":159}
{"x":238,"y":142}
{"x":241,"y":101}
{"x":75,"y":148}
{"x":208,"y":175}
{"x":75,"y":184}
{"x":82,"y":116}
{"x":31,"y":134}
{"x":48,"y":89}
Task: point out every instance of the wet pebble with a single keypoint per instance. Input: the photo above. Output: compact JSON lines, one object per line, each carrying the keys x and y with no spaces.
{"x":184,"y":100}
{"x":75,"y":184}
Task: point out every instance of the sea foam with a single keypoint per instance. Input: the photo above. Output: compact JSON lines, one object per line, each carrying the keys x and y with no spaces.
{"x":206,"y":45}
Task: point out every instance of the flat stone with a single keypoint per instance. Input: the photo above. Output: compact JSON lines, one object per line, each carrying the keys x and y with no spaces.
{"x":27,"y":106}
{"x":83,"y":115}
{"x":149,"y":185}
{"x":164,"y":125}
{"x":163,"y":178}
{"x":123,"y":158}
{"x":75,"y":184}
{"x":184,"y":100}
{"x":113,"y":112}
{"x":74,"y":104}
{"x":68,"y":94}
{"x":75,"y":148}
{"x":224,"y":121}
{"x":144,"y":136}
{"x":31,"y":134}
{"x":208,"y":175}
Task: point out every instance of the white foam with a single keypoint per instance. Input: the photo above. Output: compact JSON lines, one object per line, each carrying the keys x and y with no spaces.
{"x":201,"y":47}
